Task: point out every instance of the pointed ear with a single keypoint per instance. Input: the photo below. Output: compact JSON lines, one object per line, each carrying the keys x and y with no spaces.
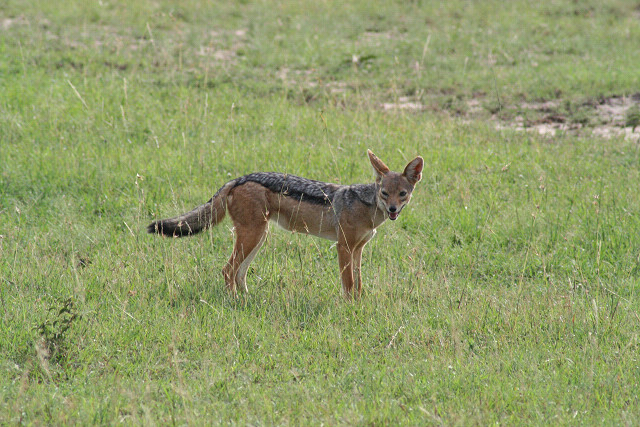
{"x":413,"y":171}
{"x":378,"y":165}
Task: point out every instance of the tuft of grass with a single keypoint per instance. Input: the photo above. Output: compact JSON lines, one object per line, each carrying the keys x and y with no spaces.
{"x":54,"y":331}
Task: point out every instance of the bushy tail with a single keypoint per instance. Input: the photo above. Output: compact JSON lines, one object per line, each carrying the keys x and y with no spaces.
{"x":195,"y":221}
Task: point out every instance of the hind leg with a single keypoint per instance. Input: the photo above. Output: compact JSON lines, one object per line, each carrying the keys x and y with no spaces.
{"x":241,"y":275}
{"x":248,"y":210}
{"x":248,"y":243}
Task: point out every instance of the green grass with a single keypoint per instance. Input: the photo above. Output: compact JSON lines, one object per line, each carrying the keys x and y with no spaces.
{"x":507,"y":292}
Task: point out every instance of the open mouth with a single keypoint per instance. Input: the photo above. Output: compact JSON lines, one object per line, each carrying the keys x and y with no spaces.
{"x":393,"y":215}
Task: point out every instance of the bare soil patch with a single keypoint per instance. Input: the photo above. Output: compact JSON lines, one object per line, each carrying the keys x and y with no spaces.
{"x":7,"y":23}
{"x":218,"y":51}
{"x":608,"y":117}
{"x":403,"y":103}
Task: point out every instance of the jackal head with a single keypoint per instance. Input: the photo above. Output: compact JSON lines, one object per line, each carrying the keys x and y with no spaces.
{"x":393,"y":189}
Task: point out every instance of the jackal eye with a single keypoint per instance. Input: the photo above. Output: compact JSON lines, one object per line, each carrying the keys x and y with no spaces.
{"x":403,"y":193}
{"x":384,"y":194}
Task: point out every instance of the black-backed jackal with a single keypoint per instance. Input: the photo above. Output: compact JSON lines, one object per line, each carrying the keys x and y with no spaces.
{"x":348,"y":214}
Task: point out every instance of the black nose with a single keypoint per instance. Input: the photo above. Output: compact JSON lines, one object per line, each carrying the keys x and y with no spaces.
{"x":392,"y":209}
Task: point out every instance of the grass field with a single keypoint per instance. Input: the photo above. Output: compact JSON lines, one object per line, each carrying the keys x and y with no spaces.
{"x":506,"y":293}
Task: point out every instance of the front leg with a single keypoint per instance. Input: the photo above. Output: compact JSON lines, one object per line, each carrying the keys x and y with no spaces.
{"x":345,"y":260}
{"x":357,"y":276}
{"x":357,"y":263}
